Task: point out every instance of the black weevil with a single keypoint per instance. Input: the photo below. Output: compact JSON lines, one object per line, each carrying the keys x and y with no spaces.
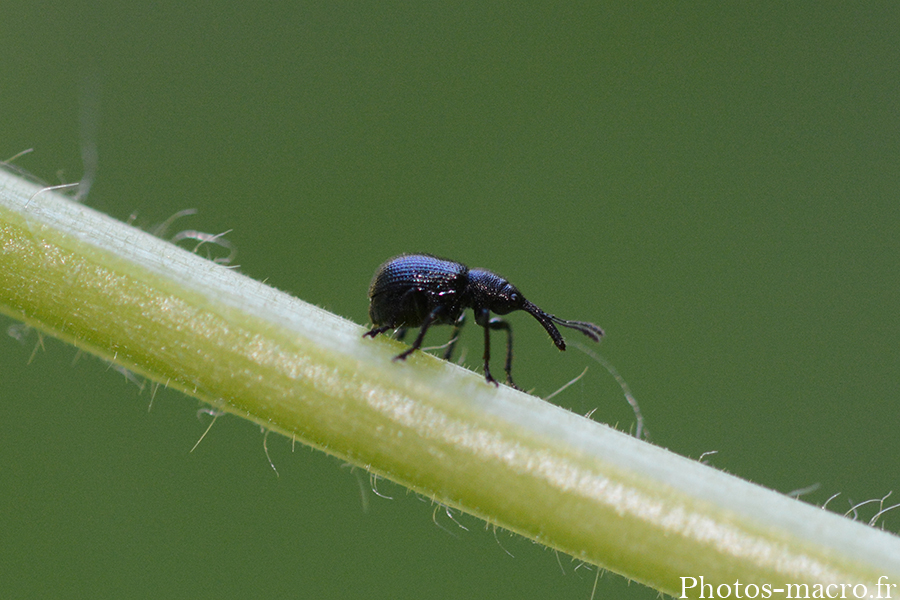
{"x":420,"y":290}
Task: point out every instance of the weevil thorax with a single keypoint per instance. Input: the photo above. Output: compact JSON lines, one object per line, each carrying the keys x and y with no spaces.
{"x":487,"y":290}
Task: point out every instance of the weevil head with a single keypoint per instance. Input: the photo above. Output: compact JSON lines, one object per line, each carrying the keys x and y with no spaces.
{"x":489,"y":290}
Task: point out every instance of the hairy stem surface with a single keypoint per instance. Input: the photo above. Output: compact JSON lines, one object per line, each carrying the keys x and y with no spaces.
{"x":507,"y":457}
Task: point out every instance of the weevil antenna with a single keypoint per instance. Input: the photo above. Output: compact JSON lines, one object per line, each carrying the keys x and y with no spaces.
{"x":588,"y":329}
{"x":547,"y":320}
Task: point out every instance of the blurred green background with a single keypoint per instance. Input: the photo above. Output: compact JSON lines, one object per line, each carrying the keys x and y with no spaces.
{"x":716,"y":186}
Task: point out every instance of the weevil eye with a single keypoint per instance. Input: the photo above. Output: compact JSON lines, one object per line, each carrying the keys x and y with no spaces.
{"x":512,"y":295}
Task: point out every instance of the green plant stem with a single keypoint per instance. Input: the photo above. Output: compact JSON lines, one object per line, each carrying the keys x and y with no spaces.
{"x":507,"y":457}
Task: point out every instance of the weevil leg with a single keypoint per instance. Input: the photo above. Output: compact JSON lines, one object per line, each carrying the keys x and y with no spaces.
{"x":497,"y":323}
{"x":437,"y":310}
{"x":482,"y":317}
{"x":454,"y":337}
{"x":401,"y":333}
{"x":487,"y":356}
{"x":376,"y":330}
